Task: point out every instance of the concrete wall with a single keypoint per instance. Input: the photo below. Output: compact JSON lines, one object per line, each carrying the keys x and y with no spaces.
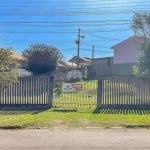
{"x":111,"y":70}
{"x":99,"y":61}
{"x":99,"y":70}
{"x":122,"y":69}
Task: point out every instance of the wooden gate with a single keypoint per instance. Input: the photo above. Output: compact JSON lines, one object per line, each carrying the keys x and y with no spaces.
{"x":76,"y":95}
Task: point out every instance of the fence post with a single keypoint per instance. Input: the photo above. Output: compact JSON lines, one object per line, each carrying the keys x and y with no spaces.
{"x":99,"y":93}
{"x":50,"y":97}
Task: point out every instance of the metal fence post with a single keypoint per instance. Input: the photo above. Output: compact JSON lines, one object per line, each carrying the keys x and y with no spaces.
{"x":99,"y":93}
{"x":50,"y":97}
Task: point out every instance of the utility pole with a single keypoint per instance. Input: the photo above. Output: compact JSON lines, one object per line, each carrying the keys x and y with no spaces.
{"x":93,"y":53}
{"x":92,"y":69}
{"x":72,"y":61}
{"x":78,"y":50}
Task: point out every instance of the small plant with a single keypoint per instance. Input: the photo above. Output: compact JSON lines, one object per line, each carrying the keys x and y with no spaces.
{"x":8,"y":68}
{"x":57,"y":89}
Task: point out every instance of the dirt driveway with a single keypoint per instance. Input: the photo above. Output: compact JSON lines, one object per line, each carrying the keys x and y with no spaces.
{"x":85,"y":139}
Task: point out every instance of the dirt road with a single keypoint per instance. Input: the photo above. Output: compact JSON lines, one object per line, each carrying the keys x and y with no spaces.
{"x":85,"y":139}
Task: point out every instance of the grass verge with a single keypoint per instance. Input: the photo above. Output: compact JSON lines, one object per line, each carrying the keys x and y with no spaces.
{"x":71,"y":119}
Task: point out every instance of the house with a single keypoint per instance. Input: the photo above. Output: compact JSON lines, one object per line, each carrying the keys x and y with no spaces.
{"x":22,"y":61}
{"x":23,"y":72}
{"x":83,"y":61}
{"x":68,"y":67}
{"x":128,"y":50}
{"x":63,"y":65}
{"x":126,"y":55}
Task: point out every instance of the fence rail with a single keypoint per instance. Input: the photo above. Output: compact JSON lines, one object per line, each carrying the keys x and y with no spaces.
{"x":124,"y":92}
{"x":33,"y":92}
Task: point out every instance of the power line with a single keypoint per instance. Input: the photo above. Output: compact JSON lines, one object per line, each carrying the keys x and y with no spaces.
{"x":76,"y":14}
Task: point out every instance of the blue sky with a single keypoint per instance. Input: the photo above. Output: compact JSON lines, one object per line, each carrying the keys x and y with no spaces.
{"x":103,"y":23}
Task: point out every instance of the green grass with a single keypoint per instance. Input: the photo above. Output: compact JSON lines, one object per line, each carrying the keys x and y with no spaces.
{"x":70,"y":119}
{"x":84,"y":99}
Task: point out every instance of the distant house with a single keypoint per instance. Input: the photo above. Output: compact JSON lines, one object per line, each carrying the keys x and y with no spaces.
{"x":66,"y":68}
{"x":63,"y":65}
{"x":83,"y":61}
{"x":128,"y":50}
{"x":24,"y":72}
{"x":22,"y":61}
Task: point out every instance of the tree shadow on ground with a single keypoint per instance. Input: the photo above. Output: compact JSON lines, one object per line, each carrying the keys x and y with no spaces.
{"x":64,"y":110}
{"x":20,"y":112}
{"x":14,"y":112}
{"x":122,"y":111}
{"x":37,"y":112}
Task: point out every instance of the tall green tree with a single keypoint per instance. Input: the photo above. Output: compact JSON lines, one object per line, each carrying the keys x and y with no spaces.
{"x":141,"y":24}
{"x":141,"y":27}
{"x":143,"y":64}
{"x":8,"y":67}
{"x":42,"y":58}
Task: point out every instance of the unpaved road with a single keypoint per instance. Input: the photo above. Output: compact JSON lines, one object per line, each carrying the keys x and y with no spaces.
{"x":77,"y":139}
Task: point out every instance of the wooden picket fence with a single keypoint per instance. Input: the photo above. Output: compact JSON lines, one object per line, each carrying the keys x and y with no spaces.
{"x":33,"y":92}
{"x":123,"y":92}
{"x":38,"y":92}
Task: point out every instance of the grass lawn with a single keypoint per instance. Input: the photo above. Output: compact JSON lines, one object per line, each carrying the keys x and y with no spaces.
{"x":69,"y":119}
{"x":82,"y":99}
